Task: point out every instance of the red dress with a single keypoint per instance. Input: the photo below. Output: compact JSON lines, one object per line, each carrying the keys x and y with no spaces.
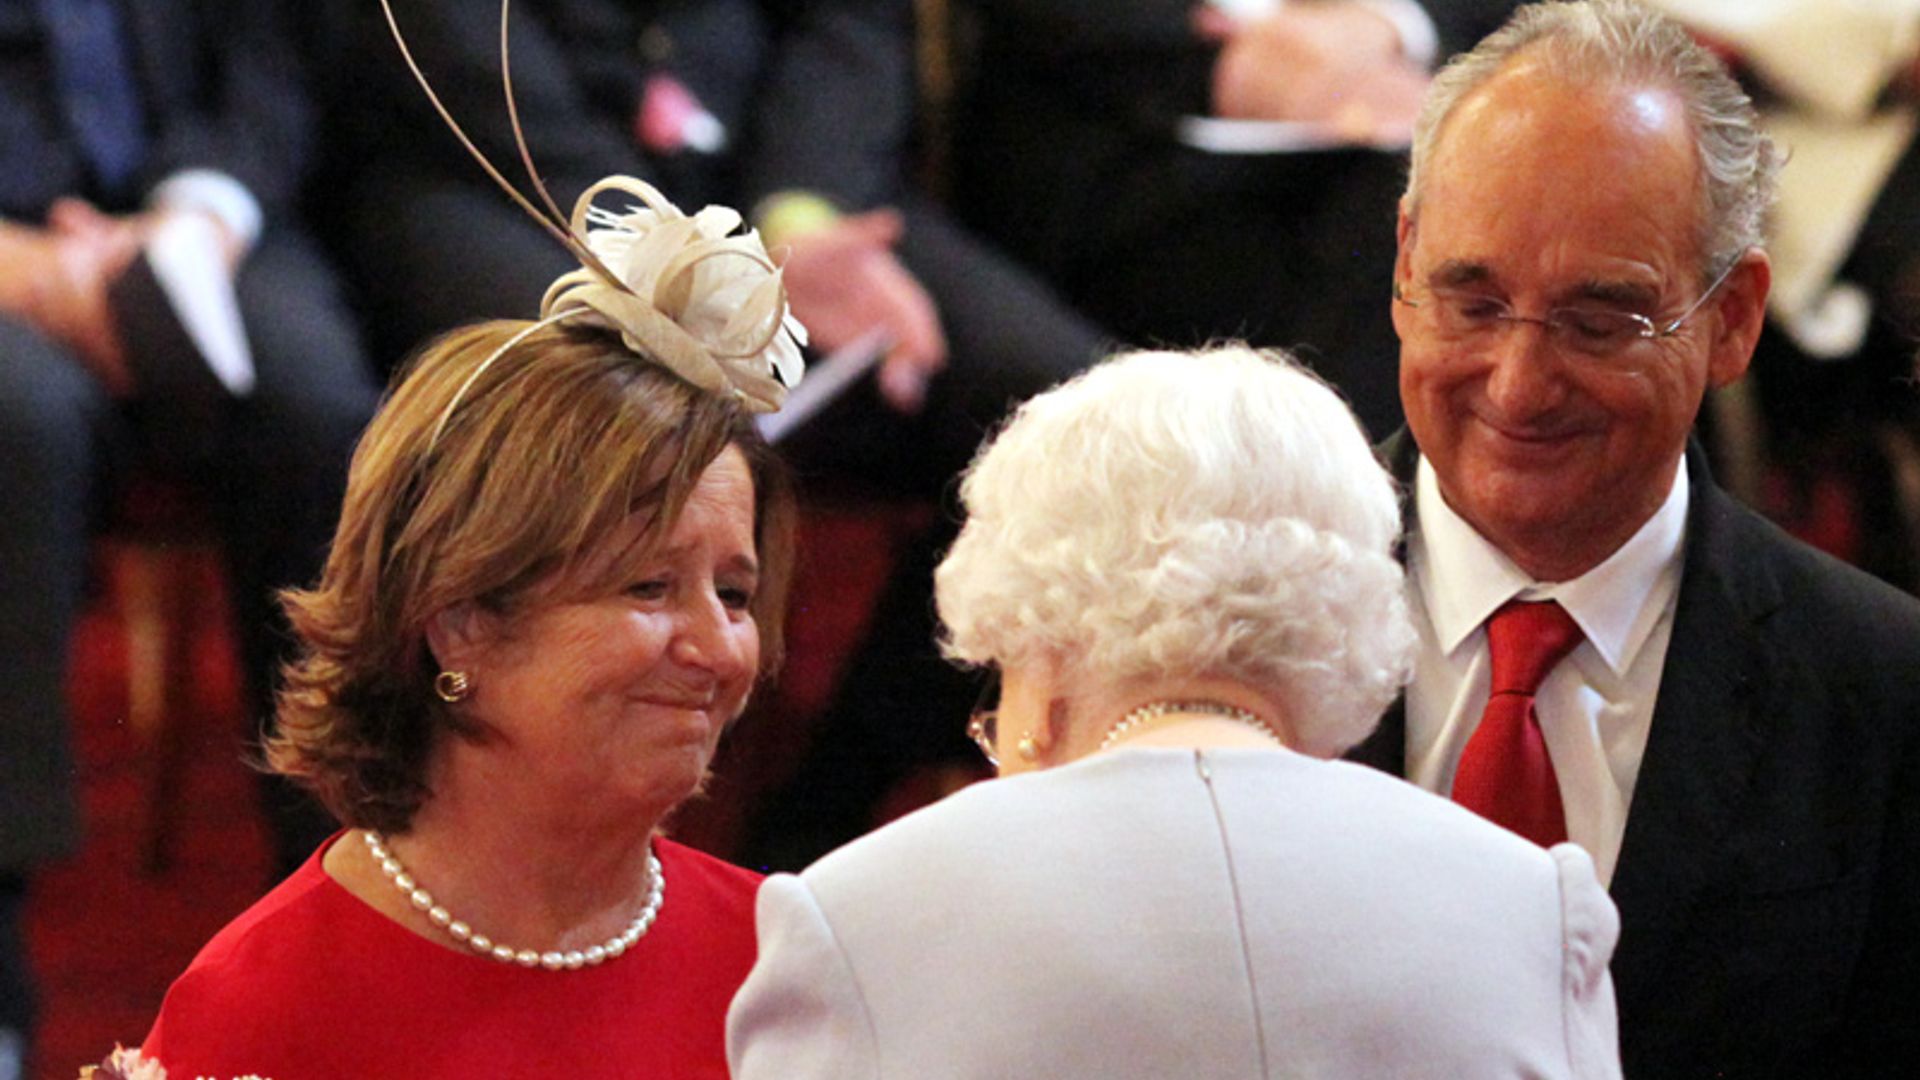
{"x":312,"y":984}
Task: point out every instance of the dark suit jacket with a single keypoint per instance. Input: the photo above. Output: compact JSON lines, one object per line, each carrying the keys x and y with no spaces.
{"x":217,"y":80}
{"x":1769,"y":881}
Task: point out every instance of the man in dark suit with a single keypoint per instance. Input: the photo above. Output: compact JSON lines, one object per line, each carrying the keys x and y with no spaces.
{"x":1732,"y":728}
{"x":122,"y":124}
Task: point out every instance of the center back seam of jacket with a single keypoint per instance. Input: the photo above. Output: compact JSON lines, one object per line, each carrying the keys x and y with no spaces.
{"x":1239,"y":910}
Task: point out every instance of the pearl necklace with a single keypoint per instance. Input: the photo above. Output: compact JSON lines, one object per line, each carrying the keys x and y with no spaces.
{"x":1153,"y":710}
{"x":572,"y":959}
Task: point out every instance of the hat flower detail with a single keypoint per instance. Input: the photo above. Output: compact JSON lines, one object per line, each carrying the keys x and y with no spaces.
{"x":693,"y":293}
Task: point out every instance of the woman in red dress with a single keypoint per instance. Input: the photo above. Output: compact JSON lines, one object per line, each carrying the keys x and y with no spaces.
{"x":561,"y":568}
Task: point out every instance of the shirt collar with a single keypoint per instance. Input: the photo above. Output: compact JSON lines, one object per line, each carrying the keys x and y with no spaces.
{"x":1463,"y":578}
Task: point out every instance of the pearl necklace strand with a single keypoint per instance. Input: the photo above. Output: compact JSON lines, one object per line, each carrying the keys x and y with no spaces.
{"x":1154,"y":710}
{"x":570,"y":960}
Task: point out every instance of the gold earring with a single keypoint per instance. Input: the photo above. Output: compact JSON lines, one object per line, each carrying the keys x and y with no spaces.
{"x":452,"y":686}
{"x":1027,"y":748}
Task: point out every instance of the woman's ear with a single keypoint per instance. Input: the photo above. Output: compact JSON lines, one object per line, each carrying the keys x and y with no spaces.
{"x":1033,"y":716}
{"x":1054,"y":731}
{"x":457,"y":634}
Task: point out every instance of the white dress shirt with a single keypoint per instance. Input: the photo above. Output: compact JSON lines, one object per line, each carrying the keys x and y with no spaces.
{"x":1595,"y":707}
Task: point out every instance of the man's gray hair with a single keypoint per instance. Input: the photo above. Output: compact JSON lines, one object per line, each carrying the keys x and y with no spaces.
{"x":1618,"y":41}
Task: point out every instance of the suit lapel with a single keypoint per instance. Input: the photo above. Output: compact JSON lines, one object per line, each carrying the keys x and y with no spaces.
{"x":1386,"y":748}
{"x":1707,"y":733}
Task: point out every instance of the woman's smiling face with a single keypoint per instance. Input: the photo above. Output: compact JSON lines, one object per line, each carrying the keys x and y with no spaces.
{"x":624,"y":696}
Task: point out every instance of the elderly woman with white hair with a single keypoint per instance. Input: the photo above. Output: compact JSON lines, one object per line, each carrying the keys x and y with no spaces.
{"x":1182,"y":566}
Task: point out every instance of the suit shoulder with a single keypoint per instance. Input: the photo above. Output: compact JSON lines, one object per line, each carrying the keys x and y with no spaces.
{"x":1833,"y":607}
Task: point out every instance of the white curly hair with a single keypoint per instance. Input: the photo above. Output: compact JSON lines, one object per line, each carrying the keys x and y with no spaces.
{"x":1207,"y":514}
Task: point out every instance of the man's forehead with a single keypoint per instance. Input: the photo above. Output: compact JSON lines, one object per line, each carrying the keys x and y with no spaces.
{"x":1533,"y":107}
{"x":1533,"y":170}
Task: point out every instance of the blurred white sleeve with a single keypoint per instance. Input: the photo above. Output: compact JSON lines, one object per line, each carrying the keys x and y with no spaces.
{"x":800,"y":1014}
{"x":214,"y":193}
{"x":1590,"y":927}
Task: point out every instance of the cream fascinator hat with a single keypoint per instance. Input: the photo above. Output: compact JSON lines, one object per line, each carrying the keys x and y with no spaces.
{"x":697,"y":294}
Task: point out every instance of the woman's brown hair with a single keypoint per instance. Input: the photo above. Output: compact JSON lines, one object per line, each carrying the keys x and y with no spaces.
{"x":477,"y":488}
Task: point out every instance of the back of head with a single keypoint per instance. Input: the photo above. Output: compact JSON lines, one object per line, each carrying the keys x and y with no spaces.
{"x":1213,"y":514}
{"x":1619,"y":42}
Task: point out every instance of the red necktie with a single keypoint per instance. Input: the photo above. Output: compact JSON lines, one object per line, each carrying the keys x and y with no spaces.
{"x":1505,"y":774}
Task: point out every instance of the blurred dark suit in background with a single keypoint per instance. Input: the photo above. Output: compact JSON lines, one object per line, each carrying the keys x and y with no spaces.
{"x":116,"y":118}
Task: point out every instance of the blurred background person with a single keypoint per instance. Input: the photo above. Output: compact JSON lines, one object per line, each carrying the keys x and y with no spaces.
{"x":1181,"y":568}
{"x":672,"y":92}
{"x":560,"y":571}
{"x":131,"y":133}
